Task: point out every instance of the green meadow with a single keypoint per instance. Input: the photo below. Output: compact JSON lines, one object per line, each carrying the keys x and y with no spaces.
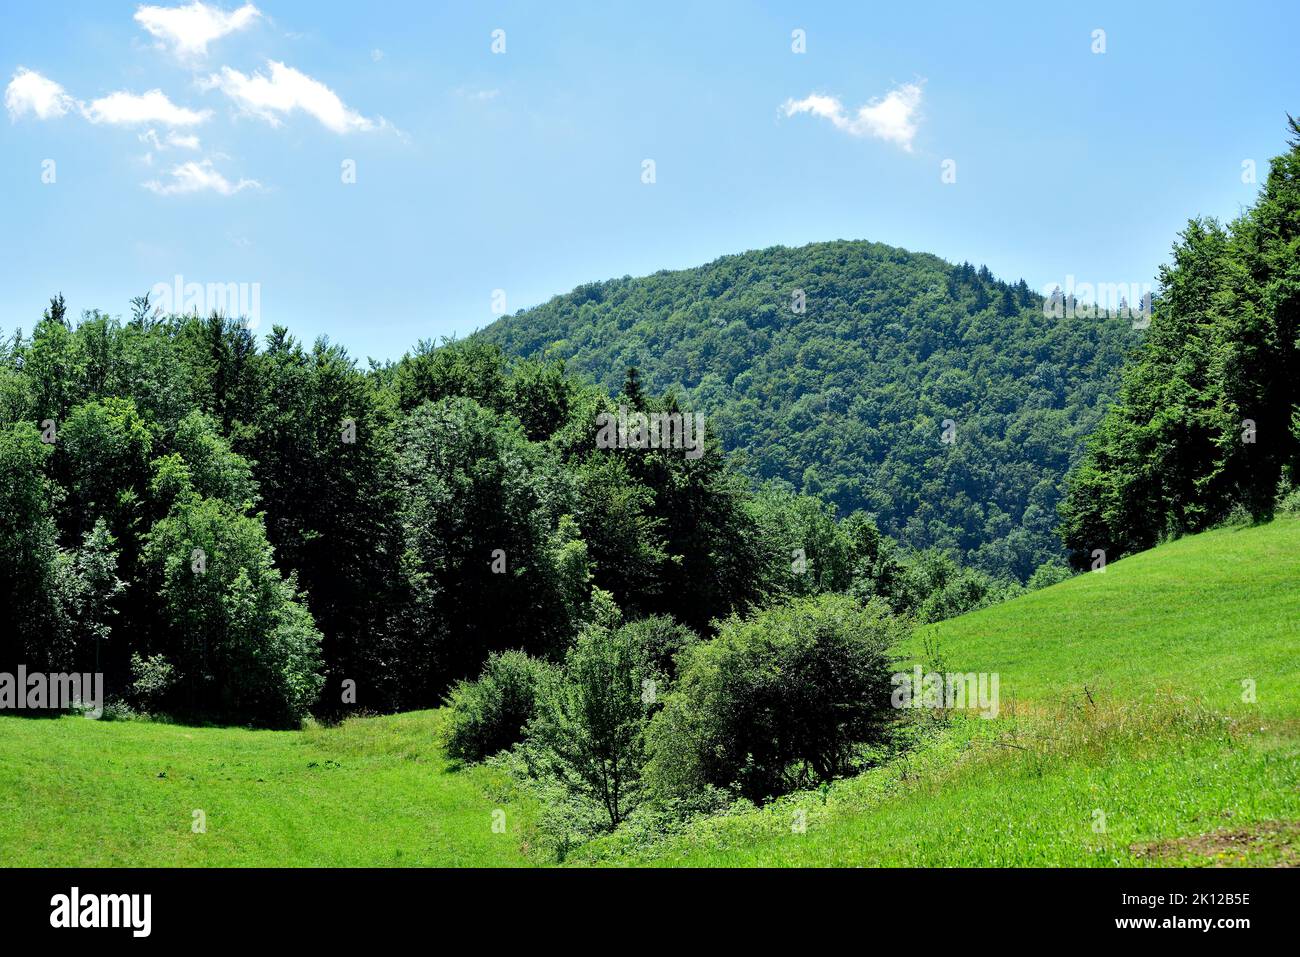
{"x":1126,"y":735}
{"x":371,"y":792}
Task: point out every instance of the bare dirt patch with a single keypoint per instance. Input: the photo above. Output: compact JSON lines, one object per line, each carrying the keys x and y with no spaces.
{"x":1266,"y":844}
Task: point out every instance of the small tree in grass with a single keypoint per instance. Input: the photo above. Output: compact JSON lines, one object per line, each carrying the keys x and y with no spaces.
{"x":589,"y":733}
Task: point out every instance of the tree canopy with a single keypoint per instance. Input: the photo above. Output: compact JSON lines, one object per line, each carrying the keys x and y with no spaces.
{"x":834,"y":368}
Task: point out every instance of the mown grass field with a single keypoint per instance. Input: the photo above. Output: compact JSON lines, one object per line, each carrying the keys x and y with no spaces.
{"x":1198,"y":615}
{"x":1123,"y":739}
{"x":370,"y":792}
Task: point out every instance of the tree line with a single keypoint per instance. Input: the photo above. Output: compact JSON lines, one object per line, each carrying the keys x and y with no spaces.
{"x":252,"y":531}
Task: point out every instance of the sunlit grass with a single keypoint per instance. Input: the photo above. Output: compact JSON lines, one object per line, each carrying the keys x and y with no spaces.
{"x":370,"y":792}
{"x":1124,"y":722}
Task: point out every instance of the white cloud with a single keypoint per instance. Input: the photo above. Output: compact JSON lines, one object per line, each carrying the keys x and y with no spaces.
{"x":286,"y":90}
{"x":892,"y":117}
{"x":173,"y":140}
{"x":123,"y":108}
{"x":189,"y":29}
{"x":29,"y":92}
{"x":197,"y":177}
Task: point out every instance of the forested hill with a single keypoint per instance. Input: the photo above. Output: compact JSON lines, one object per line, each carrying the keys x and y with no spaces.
{"x":847,"y":397}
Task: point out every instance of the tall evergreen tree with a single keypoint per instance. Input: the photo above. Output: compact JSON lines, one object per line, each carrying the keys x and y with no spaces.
{"x":1206,"y":418}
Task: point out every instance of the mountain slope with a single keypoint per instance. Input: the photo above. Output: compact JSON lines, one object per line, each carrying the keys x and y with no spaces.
{"x":1196,"y":617}
{"x":848,"y":397}
{"x":1120,"y":692}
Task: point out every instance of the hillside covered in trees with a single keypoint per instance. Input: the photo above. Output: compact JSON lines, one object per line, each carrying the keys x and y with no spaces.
{"x":836,"y":367}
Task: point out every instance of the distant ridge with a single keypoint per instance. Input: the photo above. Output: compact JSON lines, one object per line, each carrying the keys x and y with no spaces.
{"x":833,"y":367}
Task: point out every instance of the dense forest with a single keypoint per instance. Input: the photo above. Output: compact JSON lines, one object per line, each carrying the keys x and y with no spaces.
{"x":836,"y":367}
{"x":249,"y":531}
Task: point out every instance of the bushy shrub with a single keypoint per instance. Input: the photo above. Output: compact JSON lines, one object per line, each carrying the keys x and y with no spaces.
{"x":934,"y":587}
{"x":781,"y":700}
{"x":489,"y":715}
{"x":152,"y":678}
{"x":661,"y":641}
{"x":1048,"y":573}
{"x":1288,"y":499}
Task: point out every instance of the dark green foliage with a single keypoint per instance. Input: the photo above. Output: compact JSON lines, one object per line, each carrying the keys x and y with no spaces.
{"x":662,"y":642}
{"x":624,"y":535}
{"x":1049,"y":573}
{"x":153,"y":681}
{"x":927,"y":586}
{"x":469,"y":369}
{"x":319,"y":435}
{"x":1207,"y":419}
{"x":933,"y":587}
{"x":781,"y":700}
{"x":481,"y":514}
{"x":102,"y":458}
{"x":847,"y":399}
{"x":812,"y":552}
{"x":86,"y":595}
{"x":243,"y":647}
{"x":28,"y":549}
{"x":488,"y":715}
{"x":371,"y":535}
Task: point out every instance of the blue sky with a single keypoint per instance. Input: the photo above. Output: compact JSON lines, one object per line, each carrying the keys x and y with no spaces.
{"x":522,"y":171}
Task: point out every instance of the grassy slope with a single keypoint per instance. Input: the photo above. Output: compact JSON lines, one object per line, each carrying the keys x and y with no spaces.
{"x":1167,"y":753}
{"x":1198,"y":615}
{"x":1150,"y":638}
{"x":371,"y":792}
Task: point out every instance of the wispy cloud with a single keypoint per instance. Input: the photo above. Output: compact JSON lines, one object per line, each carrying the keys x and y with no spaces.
{"x":29,"y":92}
{"x":188,"y":30}
{"x":286,"y":90}
{"x":198,"y":176}
{"x":187,"y":141}
{"x":892,"y":118}
{"x":124,"y":108}
{"x":173,"y":140}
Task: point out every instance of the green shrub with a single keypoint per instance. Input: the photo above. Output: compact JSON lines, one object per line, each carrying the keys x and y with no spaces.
{"x":1048,"y":573}
{"x":589,"y":733}
{"x":1288,"y":499}
{"x":934,"y":587}
{"x":153,"y":678}
{"x":661,"y":641}
{"x":489,"y":715}
{"x":778,"y":701}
